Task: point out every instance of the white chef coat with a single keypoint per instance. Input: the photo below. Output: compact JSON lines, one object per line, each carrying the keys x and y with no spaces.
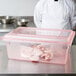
{"x":55,"y":14}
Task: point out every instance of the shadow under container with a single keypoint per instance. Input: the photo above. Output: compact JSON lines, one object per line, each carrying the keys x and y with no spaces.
{"x":39,"y":45}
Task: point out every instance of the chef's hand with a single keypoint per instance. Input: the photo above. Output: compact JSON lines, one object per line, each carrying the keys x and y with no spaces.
{"x":74,"y":29}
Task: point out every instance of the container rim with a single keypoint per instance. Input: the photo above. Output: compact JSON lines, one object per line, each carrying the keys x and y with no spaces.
{"x":69,"y":39}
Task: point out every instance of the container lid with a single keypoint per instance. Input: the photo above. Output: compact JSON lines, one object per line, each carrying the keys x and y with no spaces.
{"x":31,"y":34}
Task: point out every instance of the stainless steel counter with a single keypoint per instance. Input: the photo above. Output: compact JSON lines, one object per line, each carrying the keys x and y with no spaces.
{"x":6,"y":28}
{"x":10,"y":27}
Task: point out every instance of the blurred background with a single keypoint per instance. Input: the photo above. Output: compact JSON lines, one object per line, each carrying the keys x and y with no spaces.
{"x":15,"y":13}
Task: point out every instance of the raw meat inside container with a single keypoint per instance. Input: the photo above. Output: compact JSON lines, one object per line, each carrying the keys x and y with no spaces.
{"x":49,"y":53}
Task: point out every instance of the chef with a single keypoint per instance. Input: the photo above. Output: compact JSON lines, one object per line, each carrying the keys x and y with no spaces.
{"x":55,"y":14}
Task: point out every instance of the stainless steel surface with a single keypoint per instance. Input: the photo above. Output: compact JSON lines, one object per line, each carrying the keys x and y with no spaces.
{"x":7,"y":28}
{"x":6,"y":23}
{"x":22,"y":22}
{"x":73,"y":58}
{"x":8,"y":20}
{"x":16,"y":20}
{"x":10,"y":27}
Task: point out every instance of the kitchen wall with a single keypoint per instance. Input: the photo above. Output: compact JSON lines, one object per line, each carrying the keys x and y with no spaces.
{"x":17,"y":7}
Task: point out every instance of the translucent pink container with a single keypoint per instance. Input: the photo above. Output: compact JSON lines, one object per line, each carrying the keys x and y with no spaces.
{"x":39,"y":44}
{"x":39,"y":68}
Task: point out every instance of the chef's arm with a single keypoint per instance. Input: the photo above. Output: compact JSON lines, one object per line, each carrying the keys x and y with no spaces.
{"x":73,"y":16}
{"x":37,"y":17}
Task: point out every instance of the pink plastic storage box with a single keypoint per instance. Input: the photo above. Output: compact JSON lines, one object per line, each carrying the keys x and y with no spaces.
{"x":27,"y":67}
{"x":39,"y":44}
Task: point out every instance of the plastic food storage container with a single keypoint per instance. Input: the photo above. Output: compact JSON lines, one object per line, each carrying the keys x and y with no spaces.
{"x":39,"y":44}
{"x":39,"y":68}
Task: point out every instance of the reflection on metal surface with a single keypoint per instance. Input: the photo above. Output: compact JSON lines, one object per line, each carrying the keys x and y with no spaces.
{"x":6,"y":28}
{"x":19,"y":20}
{"x":3,"y":60}
{"x":22,"y":22}
{"x":9,"y":22}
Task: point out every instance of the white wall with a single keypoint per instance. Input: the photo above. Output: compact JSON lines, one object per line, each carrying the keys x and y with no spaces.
{"x":17,"y":7}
